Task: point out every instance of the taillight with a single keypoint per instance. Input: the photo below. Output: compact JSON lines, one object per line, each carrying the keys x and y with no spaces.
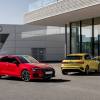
{"x":64,"y":62}
{"x":82,"y":62}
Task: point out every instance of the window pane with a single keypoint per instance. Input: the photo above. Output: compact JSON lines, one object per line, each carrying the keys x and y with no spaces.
{"x":3,"y":38}
{"x":86,"y":36}
{"x":75,"y":37}
{"x":97,"y":36}
{"x":73,"y":57}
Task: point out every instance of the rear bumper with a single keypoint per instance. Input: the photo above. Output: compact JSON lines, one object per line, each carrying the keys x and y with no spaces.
{"x":72,"y":69}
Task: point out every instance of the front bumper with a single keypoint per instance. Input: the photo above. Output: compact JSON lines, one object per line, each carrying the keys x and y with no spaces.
{"x":45,"y":73}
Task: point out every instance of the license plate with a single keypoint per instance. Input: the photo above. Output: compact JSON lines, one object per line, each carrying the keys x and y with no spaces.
{"x":49,"y":72}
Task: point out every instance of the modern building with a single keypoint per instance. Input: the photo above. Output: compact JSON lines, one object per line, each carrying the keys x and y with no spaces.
{"x":42,"y":42}
{"x":81,"y":19}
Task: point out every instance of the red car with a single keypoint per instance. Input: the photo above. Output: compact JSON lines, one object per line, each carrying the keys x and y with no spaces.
{"x":24,"y":67}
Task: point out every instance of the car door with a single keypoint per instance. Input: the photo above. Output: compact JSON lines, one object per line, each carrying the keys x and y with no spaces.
{"x":93,"y":65}
{"x":13,"y":68}
{"x":3,"y":65}
{"x":89,"y":61}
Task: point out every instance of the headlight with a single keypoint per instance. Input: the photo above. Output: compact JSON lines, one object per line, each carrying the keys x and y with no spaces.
{"x":35,"y":69}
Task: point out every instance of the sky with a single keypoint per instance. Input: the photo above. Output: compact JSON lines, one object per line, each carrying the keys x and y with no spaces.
{"x":12,"y":11}
{"x":40,"y":3}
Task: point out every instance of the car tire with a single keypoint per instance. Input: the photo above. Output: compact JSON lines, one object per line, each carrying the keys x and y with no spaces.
{"x":64,"y":72}
{"x":87,"y":70}
{"x":25,"y":75}
{"x":99,"y":68}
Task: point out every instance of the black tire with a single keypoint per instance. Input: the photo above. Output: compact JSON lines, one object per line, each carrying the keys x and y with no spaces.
{"x":64,"y":72}
{"x":99,"y":68}
{"x":25,"y":75}
{"x":87,"y":70}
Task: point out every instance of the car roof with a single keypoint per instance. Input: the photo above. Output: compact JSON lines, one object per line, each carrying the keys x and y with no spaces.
{"x":12,"y":55}
{"x":77,"y":54}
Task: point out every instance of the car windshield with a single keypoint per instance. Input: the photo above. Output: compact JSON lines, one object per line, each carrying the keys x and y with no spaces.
{"x":27,"y":59}
{"x":73,"y":57}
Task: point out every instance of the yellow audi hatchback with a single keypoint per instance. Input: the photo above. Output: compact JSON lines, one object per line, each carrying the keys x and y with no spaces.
{"x":79,"y":63}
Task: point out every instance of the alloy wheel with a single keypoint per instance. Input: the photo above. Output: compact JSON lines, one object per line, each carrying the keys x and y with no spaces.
{"x":25,"y":76}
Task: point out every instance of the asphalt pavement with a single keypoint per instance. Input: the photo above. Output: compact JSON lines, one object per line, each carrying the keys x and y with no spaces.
{"x":63,"y":87}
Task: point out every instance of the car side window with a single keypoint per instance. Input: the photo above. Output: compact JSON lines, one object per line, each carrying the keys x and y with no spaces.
{"x":87,"y":57}
{"x":13,"y":60}
{"x":4,"y":59}
{"x":10,"y":60}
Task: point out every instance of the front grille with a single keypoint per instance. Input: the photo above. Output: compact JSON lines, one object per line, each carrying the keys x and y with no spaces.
{"x":36,"y":75}
{"x":47,"y":69}
{"x":48,"y":75}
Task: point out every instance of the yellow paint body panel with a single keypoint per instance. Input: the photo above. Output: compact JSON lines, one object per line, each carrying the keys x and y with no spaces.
{"x":79,"y":64}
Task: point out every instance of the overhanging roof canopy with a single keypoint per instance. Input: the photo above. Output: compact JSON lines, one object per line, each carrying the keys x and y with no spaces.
{"x":65,"y":17}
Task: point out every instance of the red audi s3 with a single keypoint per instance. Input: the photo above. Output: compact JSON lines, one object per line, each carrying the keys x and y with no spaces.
{"x":25,"y":67}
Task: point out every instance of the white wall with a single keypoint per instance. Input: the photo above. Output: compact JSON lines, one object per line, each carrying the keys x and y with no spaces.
{"x":24,"y":37}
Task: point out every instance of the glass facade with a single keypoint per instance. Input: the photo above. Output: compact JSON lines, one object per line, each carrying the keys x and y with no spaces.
{"x":85,"y":37}
{"x":97,"y":36}
{"x":75,"y":37}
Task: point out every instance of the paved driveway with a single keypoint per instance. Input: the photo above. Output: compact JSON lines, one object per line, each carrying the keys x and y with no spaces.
{"x":71,"y":87}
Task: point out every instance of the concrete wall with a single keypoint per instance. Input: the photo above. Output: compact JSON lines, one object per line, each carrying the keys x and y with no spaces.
{"x":22,"y":38}
{"x":55,"y":42}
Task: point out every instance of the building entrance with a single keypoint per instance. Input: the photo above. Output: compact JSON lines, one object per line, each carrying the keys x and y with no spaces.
{"x":39,"y":53}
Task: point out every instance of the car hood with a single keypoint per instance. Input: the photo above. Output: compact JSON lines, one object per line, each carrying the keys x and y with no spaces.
{"x":40,"y":65}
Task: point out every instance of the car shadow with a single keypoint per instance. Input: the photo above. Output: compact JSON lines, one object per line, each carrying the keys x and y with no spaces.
{"x":10,"y":78}
{"x":83,"y":74}
{"x":36,"y":80}
{"x":51,"y":80}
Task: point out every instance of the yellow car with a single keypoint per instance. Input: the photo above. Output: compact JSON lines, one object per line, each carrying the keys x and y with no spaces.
{"x":79,"y":63}
{"x":97,"y":58}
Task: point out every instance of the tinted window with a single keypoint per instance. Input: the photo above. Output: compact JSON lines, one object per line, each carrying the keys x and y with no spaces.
{"x":87,"y":57}
{"x":10,"y":60}
{"x":73,"y":57}
{"x":27,"y":59}
{"x":30,"y":59}
{"x":4,"y":59}
{"x":13,"y":60}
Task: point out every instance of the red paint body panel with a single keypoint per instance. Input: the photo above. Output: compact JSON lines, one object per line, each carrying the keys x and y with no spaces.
{"x":12,"y":69}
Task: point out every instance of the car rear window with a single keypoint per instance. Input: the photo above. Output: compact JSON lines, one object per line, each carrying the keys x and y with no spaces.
{"x":73,"y":57}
